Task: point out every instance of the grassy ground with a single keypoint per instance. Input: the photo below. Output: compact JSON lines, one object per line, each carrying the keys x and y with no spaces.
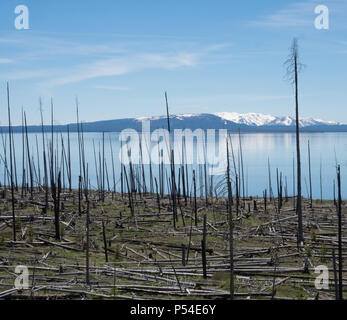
{"x":145,"y":250}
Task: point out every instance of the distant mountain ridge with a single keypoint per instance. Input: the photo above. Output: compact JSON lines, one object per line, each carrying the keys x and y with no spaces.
{"x":249,"y":119}
{"x":258,"y":119}
{"x":245,"y":122}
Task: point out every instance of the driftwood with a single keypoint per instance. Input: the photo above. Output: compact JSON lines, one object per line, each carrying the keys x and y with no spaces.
{"x":59,"y":245}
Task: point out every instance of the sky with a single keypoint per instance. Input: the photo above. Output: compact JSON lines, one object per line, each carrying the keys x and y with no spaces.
{"x":119,"y":57}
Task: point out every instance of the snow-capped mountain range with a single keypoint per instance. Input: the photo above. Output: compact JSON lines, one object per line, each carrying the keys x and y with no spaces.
{"x":248,"y":119}
{"x":245,"y":122}
{"x":258,"y":119}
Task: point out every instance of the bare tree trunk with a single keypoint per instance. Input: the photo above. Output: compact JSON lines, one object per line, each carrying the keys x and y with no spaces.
{"x":298,"y":205}
{"x":320,"y":181}
{"x":105,"y":242}
{"x":87,"y":240}
{"x":172,"y":162}
{"x":339,"y":232}
{"x":230,"y":215}
{"x":203,"y":250}
{"x":11,"y":163}
{"x":292,"y":71}
{"x":195,"y":205}
{"x":309,"y":171}
{"x":335,"y":276}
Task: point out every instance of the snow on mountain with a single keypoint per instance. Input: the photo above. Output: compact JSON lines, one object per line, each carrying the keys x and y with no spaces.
{"x":258,"y":119}
{"x":173,"y":116}
{"x":247,"y":122}
{"x":250,"y":119}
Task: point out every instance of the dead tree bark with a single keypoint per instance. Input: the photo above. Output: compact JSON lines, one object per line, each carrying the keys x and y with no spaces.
{"x":203,"y":250}
{"x":87,"y":240}
{"x":339,"y":231}
{"x":195,"y":205}
{"x":309,"y":171}
{"x":105,"y":242}
{"x":11,"y":163}
{"x":293,"y":67}
{"x":56,"y":199}
{"x":336,"y":286}
{"x":172,"y":163}
{"x":230,"y":215}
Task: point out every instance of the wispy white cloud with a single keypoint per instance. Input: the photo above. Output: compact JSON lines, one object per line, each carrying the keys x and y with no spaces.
{"x":25,"y":74}
{"x":34,"y":48}
{"x":60,"y":62}
{"x":125,"y":64}
{"x":295,"y":15}
{"x":58,"y":47}
{"x":5,"y":61}
{"x":301,"y":14}
{"x":215,"y":99}
{"x":11,"y":40}
{"x":113,"y":88}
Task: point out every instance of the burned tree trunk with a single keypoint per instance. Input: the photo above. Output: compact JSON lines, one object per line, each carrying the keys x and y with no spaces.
{"x":105,"y":242}
{"x":339,"y":215}
{"x":309,"y":171}
{"x":172,"y":164}
{"x":230,"y":215}
{"x":56,"y":199}
{"x":11,"y":164}
{"x":203,"y":250}
{"x":293,"y":67}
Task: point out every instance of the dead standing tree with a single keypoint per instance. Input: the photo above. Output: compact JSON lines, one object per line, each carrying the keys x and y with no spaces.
{"x":309,"y":171}
{"x":230,"y":216}
{"x":11,"y":163}
{"x":172,"y":165}
{"x":293,"y":68}
{"x":339,"y":216}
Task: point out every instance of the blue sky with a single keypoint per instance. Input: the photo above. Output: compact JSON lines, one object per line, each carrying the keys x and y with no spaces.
{"x":119,"y":57}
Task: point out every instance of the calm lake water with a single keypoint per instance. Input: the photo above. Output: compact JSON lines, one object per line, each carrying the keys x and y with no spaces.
{"x":327,"y":149}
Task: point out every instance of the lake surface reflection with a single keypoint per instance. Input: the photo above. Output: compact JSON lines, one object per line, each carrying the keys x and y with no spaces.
{"x":327,"y":149}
